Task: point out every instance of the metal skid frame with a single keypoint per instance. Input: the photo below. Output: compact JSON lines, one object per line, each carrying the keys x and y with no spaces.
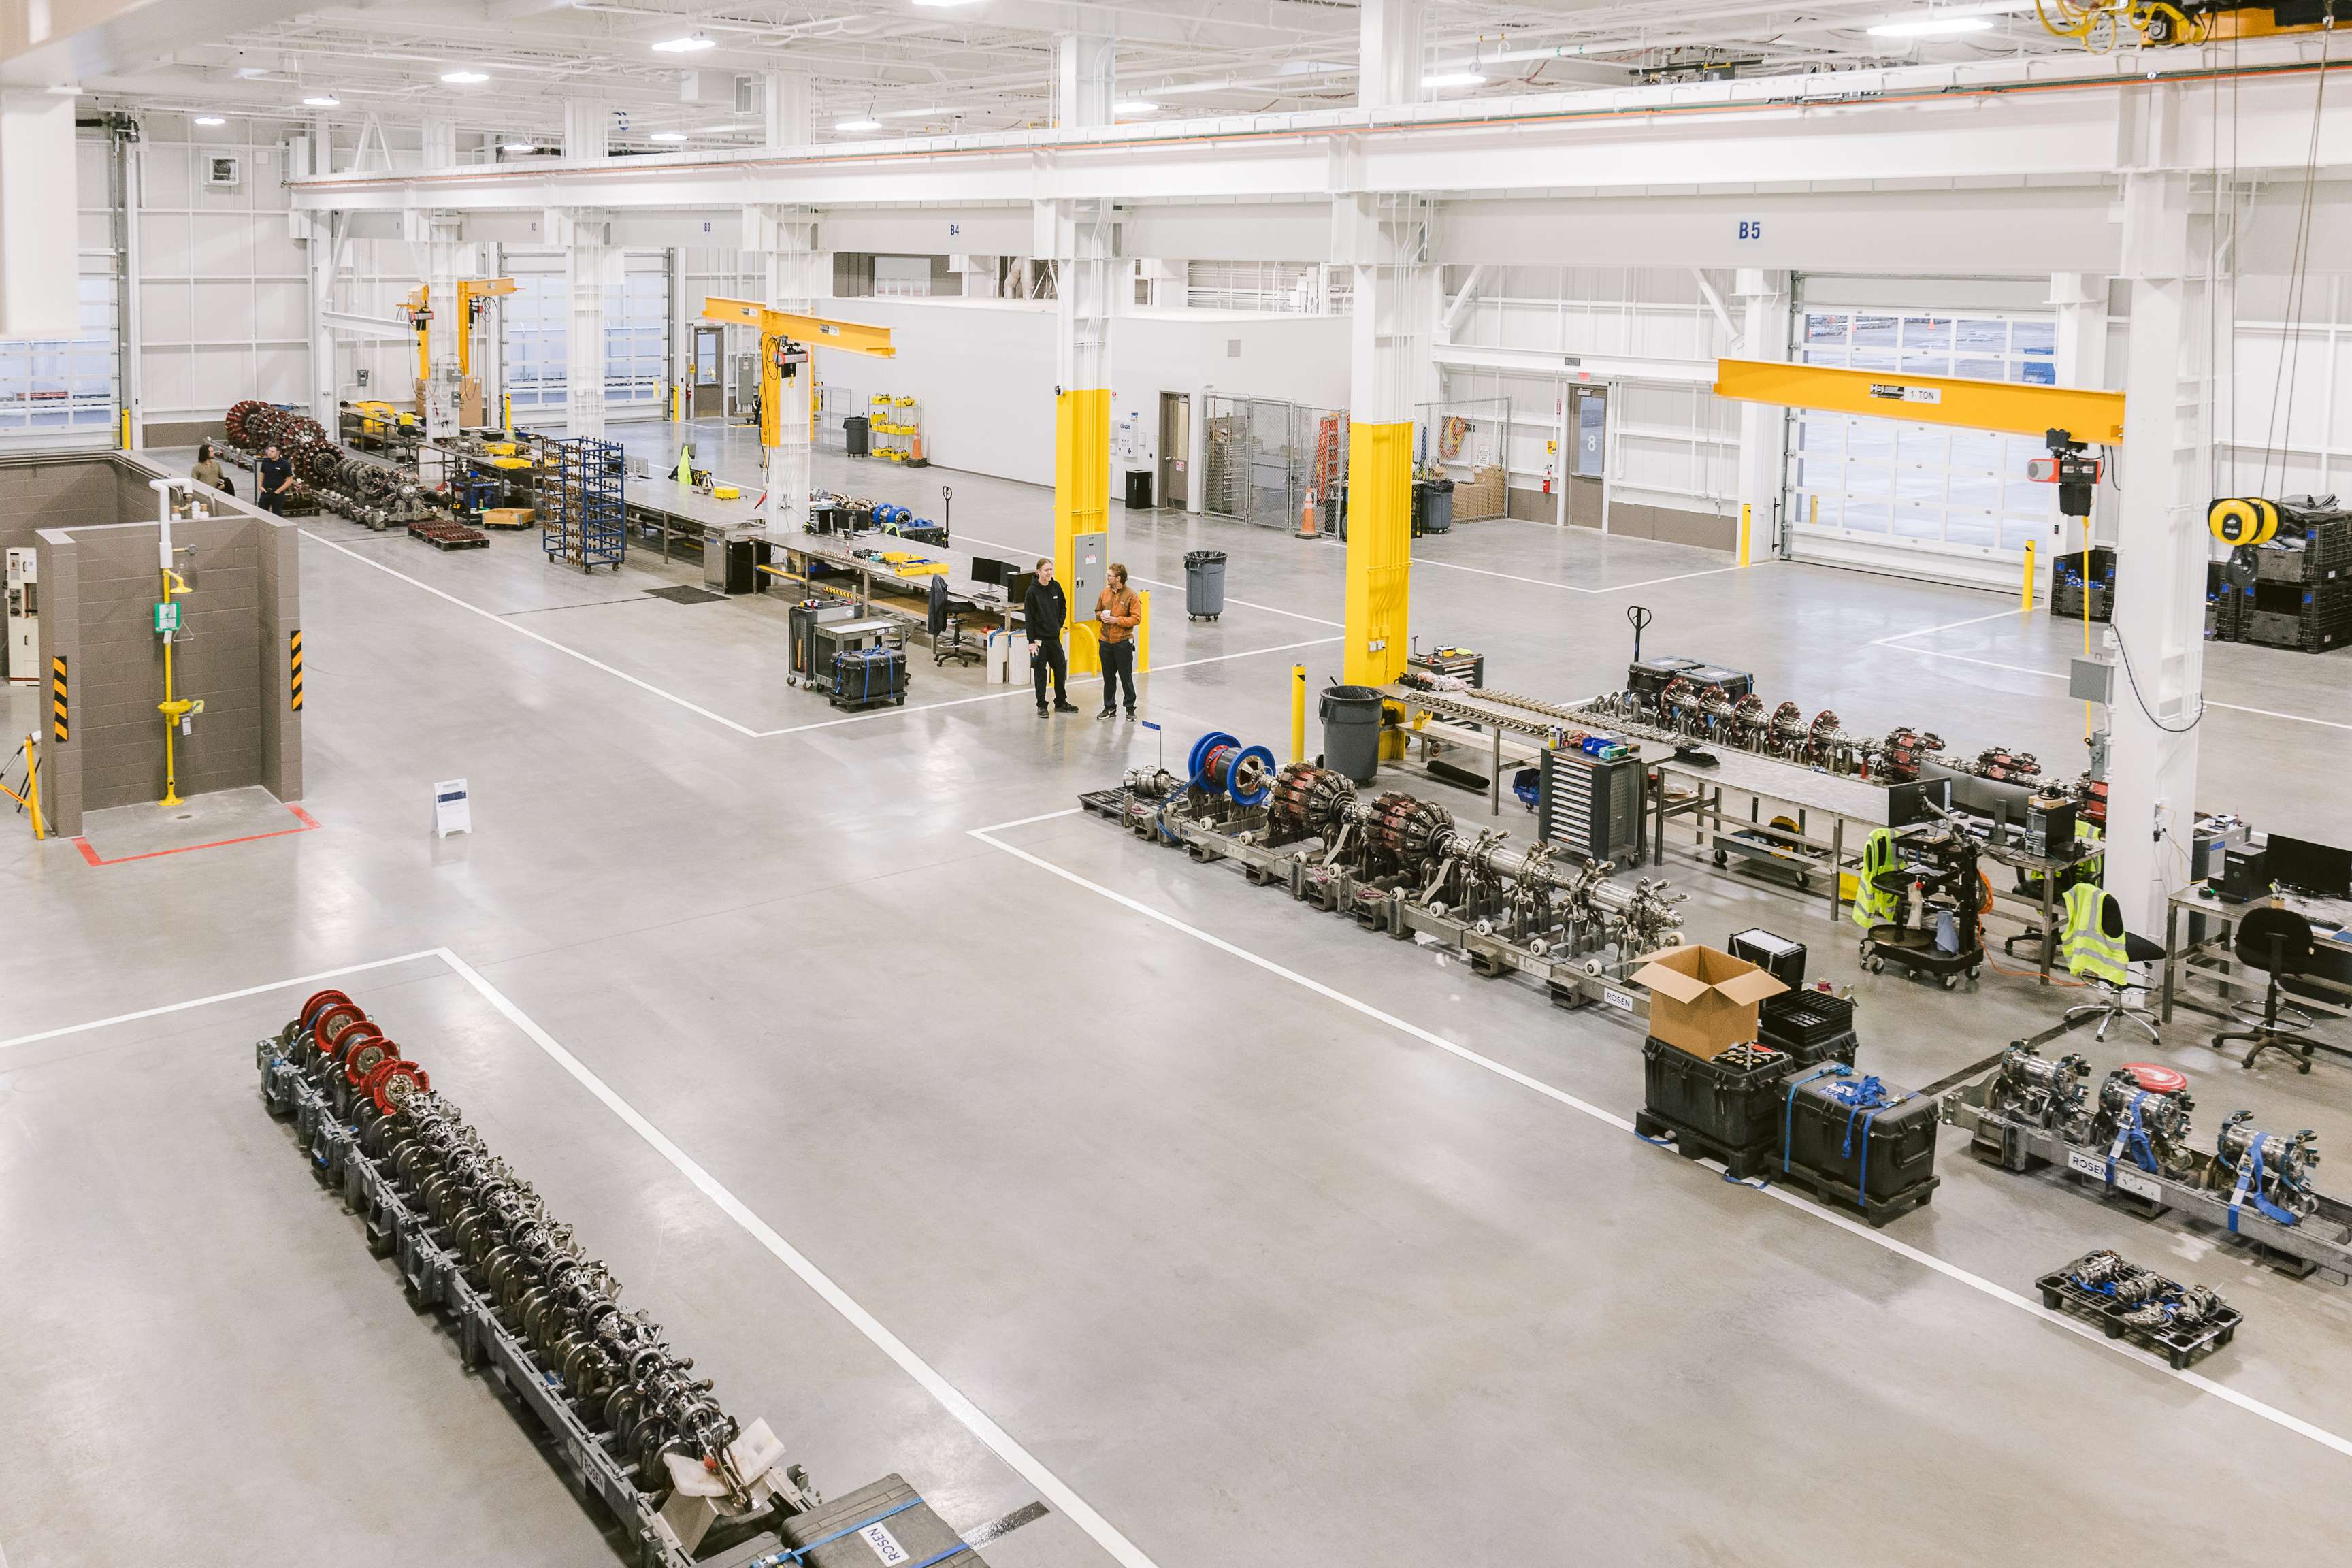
{"x":1210,"y":828}
{"x":435,"y":1276}
{"x":2321,"y":1242}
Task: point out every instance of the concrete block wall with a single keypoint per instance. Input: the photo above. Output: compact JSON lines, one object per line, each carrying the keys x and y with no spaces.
{"x":100,"y":586}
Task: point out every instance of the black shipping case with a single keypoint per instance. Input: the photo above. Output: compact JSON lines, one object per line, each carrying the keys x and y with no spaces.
{"x":884,"y":1522}
{"x":1713,"y":1109}
{"x":1880,"y":1162}
{"x":869,"y":677}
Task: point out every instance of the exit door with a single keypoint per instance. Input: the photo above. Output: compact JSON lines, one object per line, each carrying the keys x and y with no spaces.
{"x":1175,"y":449}
{"x":710,"y":372}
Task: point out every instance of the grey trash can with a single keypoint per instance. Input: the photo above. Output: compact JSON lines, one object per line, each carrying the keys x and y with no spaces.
{"x":1351,"y":731}
{"x":1435,"y":501}
{"x":1205,"y":583}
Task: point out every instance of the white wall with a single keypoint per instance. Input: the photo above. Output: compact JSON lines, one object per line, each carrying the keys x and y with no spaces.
{"x":984,"y":370}
{"x":223,"y":300}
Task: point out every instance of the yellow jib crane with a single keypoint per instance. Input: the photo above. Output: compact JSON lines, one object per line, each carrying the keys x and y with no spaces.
{"x":473,"y":293}
{"x":786,"y":375}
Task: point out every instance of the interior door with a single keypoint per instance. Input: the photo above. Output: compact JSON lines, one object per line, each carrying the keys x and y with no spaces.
{"x":1175,"y":449}
{"x":710,"y":372}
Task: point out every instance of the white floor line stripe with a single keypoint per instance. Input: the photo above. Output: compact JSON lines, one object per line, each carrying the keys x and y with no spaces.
{"x":498,"y":620}
{"x":1951,"y":626}
{"x":1157,"y":583}
{"x":1025,"y":821}
{"x":1420,"y":561}
{"x":1802,"y":1205}
{"x":1055,"y":1490}
{"x":2054,"y":675}
{"x":218,"y":997}
{"x":1025,"y":690}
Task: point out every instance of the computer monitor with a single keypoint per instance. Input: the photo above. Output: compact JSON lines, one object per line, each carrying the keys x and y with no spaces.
{"x":1018,"y":583}
{"x":989,"y":570}
{"x":2319,"y":871}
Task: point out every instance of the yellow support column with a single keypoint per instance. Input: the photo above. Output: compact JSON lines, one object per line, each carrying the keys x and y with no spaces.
{"x":1380,"y":550}
{"x":1298,"y":712}
{"x":1081,"y":502}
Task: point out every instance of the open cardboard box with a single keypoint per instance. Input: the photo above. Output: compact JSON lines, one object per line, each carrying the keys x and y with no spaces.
{"x":1703,"y":1001}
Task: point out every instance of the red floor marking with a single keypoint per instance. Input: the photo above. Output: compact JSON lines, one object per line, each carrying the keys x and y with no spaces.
{"x":308,"y":821}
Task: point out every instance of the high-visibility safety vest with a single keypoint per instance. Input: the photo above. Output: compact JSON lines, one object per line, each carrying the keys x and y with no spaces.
{"x":1871,"y":905}
{"x":2086,"y":944}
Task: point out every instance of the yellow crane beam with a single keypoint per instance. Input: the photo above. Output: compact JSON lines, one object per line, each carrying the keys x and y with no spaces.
{"x":778,"y":332}
{"x":472,"y":293}
{"x":2018,"y":408}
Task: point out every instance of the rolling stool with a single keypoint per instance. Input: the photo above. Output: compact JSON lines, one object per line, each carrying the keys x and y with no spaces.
{"x":2278,"y":940}
{"x":2111,"y":1006}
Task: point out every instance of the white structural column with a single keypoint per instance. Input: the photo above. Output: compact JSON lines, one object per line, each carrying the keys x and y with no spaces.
{"x":785,"y":239}
{"x":1763,"y":300}
{"x":1383,"y":238}
{"x":317,"y":157}
{"x":2079,"y":301}
{"x":1389,"y":56}
{"x":586,"y":128}
{"x":591,"y":265}
{"x":1075,"y":234}
{"x":438,"y":143}
{"x":2160,"y":563}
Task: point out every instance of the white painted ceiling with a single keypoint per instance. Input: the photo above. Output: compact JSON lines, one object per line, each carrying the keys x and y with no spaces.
{"x":978,"y":65}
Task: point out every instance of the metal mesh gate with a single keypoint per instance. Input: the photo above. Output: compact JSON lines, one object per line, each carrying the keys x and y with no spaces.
{"x":1468,"y":441}
{"x":1264,"y":457}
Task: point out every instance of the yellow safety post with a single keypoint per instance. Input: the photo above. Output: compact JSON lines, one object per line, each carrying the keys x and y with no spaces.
{"x":1081,"y":500}
{"x":2025,"y":591}
{"x":1298,"y":712}
{"x":174,"y":707}
{"x":1747,"y":520}
{"x":126,"y":429}
{"x":1143,"y":631}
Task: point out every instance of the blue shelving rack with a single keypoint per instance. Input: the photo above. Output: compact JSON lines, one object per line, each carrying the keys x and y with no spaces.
{"x":581,"y":514}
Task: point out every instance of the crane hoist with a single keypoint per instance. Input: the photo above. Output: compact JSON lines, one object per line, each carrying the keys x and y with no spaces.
{"x":788,"y":389}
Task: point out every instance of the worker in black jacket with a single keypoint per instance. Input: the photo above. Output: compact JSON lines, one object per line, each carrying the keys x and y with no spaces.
{"x":1045,"y":612}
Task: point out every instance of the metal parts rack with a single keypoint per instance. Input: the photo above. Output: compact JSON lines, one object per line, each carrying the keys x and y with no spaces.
{"x":1401,"y":866}
{"x":2131,"y":1142}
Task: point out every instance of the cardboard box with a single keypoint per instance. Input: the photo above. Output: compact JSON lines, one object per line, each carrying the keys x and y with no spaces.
{"x":1703,"y":1001}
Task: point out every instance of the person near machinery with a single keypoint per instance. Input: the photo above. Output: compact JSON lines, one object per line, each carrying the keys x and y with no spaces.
{"x":277,"y":476}
{"x":1117,"y":612}
{"x":207,"y":471}
{"x":1046,"y":611}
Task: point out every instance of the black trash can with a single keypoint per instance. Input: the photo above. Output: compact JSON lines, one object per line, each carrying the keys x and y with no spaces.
{"x":1138,"y":489}
{"x":856,"y":432}
{"x":1351,"y":731}
{"x":1205,"y":583}
{"x":1433,"y":506}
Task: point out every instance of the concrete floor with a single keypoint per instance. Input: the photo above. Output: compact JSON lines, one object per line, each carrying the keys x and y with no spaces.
{"x":1263,"y":1254}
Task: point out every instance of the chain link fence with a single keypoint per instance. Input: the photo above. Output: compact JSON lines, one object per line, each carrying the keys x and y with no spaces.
{"x":1264,"y":458}
{"x":1468,"y":441}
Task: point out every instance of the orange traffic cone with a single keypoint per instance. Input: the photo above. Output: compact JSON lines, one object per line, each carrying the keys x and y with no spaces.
{"x":1307,"y":518}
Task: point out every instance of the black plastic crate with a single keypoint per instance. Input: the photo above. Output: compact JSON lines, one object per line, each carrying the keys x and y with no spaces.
{"x":1809,"y":1026}
{"x":1877,"y":1158}
{"x":2066,"y":603}
{"x":1721,"y":1108}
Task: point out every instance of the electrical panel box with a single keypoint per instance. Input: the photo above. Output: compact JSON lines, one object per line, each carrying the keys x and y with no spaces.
{"x":1089,"y":573}
{"x":22,"y":648}
{"x":1593,"y":805}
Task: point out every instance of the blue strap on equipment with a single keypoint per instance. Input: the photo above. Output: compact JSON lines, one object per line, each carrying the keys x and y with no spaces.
{"x":2250,"y":1183}
{"x":1865,"y":1099}
{"x":798,"y":1553}
{"x":1789,"y":1106}
{"x":2134,"y":1136}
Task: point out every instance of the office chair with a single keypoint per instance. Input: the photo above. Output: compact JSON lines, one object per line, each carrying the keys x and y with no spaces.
{"x":2111,"y":1007}
{"x":944,"y":621}
{"x":2278,"y":940}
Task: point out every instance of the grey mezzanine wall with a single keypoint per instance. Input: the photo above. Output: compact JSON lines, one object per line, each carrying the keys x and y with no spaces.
{"x":100,"y":583}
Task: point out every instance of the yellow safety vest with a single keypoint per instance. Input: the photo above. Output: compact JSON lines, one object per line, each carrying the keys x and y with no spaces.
{"x":1871,"y":906}
{"x":2085,"y":944}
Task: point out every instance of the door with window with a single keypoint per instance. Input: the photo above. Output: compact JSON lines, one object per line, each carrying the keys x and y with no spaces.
{"x":1175,"y":448}
{"x":710,"y":372}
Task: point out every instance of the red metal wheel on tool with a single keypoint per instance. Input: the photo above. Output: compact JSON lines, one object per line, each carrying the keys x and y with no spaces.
{"x":318,"y":1004}
{"x":2156,"y":1079}
{"x":335,"y":1016}
{"x":392,"y":1082}
{"x":361,"y":1057}
{"x":337,"y":1045}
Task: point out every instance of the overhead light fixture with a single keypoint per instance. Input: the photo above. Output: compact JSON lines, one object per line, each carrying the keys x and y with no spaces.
{"x":670,"y":136}
{"x":940,"y":5}
{"x":322,"y":100}
{"x":464,"y":77}
{"x":930,"y":113}
{"x":210,"y":120}
{"x":857,"y":125}
{"x":1134,"y":106}
{"x":518,"y":146}
{"x":1453,"y":79}
{"x":687,"y":46}
{"x":728,"y":129}
{"x":1931,"y":27}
